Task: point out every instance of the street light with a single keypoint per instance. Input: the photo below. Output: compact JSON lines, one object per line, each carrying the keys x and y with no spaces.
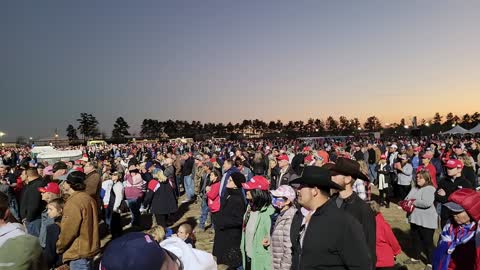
{"x":453,"y":125}
{"x":427,"y":124}
{"x":2,"y":134}
{"x":406,"y":126}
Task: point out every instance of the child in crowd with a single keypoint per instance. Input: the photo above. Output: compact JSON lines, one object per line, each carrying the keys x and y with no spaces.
{"x":157,"y":232}
{"x":185,"y":232}
{"x":387,"y":246}
{"x":55,"y":211}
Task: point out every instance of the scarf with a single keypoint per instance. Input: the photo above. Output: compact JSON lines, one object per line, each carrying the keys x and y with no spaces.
{"x":382,"y":184}
{"x":450,"y":238}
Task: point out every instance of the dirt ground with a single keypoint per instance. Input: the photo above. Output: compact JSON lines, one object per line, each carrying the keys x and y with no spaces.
{"x":191,"y":212}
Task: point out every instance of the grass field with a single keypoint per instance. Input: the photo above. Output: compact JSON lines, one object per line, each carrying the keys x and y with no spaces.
{"x":191,"y":212}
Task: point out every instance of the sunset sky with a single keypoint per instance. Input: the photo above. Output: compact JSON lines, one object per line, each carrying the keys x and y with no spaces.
{"x":231,"y":60}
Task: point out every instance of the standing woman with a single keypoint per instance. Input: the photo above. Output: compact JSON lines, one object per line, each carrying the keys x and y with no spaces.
{"x":259,"y":164}
{"x":384,"y":181}
{"x":257,"y":224}
{"x":228,"y":224}
{"x":113,"y":206}
{"x":468,"y":171}
{"x":213,"y":194}
{"x":161,"y":197}
{"x":404,"y":174}
{"x":424,"y":219}
{"x":283,"y":200}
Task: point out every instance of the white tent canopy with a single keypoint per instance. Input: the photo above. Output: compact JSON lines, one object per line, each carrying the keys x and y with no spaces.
{"x":475,"y":129}
{"x":457,"y":130}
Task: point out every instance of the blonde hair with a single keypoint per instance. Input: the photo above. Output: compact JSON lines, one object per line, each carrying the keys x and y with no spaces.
{"x":374,"y":206}
{"x":363,"y":167}
{"x":106,"y":176}
{"x":158,"y":233}
{"x":467,"y":161}
{"x":160,"y":176}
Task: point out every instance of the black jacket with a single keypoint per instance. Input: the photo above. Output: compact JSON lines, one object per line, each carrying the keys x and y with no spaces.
{"x":372,"y":156}
{"x":297,"y":163}
{"x":31,"y":204}
{"x":260,"y":167}
{"x":469,"y":174}
{"x":288,"y":176}
{"x":360,"y":210}
{"x":325,"y":246}
{"x":449,"y":186}
{"x":162,"y":198}
{"x":50,"y":251}
{"x":187,"y":167}
{"x":228,"y":228}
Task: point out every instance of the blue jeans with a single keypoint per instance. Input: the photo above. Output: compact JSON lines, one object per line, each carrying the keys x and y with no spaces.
{"x":204,"y":213}
{"x":81,"y":264}
{"x":134,"y":205}
{"x":33,"y":227}
{"x":189,"y":186}
{"x":372,"y":173}
{"x":108,"y":216}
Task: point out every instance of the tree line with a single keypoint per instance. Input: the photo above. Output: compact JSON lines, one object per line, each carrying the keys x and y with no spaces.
{"x":154,"y":129}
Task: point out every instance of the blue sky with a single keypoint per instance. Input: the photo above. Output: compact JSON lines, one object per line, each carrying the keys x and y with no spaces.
{"x":231,"y":60}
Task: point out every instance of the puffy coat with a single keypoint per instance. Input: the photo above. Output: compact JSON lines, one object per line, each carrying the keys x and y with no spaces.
{"x":281,"y":242}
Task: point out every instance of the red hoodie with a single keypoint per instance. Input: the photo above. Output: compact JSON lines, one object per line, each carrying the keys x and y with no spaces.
{"x":214,"y":197}
{"x":387,"y":246}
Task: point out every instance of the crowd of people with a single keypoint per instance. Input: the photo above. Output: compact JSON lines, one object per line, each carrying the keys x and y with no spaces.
{"x":271,"y":204}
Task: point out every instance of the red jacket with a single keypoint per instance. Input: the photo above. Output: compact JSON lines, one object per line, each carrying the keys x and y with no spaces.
{"x":387,"y":246}
{"x":213,"y":197}
{"x":432,"y":171}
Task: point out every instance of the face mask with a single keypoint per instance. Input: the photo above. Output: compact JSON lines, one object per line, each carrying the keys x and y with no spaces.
{"x":278,"y":203}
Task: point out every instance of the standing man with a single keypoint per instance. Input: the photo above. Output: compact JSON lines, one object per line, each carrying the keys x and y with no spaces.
{"x":341,"y":245}
{"x":344,"y":173}
{"x":92,"y":182}
{"x":287,"y":173}
{"x":31,"y":205}
{"x":79,"y":240}
{"x":427,"y":165}
{"x":372,"y":162}
{"x":187,"y":171}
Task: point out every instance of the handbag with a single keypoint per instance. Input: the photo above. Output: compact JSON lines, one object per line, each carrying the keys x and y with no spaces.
{"x":407,"y":205}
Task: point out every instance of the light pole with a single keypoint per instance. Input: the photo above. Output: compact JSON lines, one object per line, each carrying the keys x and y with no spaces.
{"x":1,"y":135}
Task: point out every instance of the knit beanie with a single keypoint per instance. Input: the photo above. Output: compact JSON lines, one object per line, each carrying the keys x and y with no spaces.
{"x":238,"y":178}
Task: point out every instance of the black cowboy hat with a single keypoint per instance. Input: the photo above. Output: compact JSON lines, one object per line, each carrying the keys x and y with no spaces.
{"x":348,"y":167}
{"x":316,"y":176}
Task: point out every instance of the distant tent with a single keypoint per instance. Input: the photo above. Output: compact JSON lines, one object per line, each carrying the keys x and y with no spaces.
{"x":475,"y":129}
{"x":457,"y":130}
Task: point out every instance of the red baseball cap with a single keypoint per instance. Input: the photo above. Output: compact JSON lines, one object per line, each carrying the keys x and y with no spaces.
{"x":50,"y":187}
{"x":306,"y":148}
{"x":454,"y":163}
{"x":427,"y":155}
{"x":383,"y":157}
{"x":257,"y":182}
{"x":283,"y":157}
{"x":308,"y":158}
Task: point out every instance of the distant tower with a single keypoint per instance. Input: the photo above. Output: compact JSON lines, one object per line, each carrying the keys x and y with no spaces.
{"x":414,"y":122}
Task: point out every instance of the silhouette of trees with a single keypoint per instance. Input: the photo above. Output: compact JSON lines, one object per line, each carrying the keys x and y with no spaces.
{"x":120,"y":129}
{"x":88,"y":125}
{"x":71,"y":133}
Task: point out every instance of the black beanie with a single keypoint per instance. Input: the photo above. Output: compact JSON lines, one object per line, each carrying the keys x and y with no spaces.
{"x":238,"y":179}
